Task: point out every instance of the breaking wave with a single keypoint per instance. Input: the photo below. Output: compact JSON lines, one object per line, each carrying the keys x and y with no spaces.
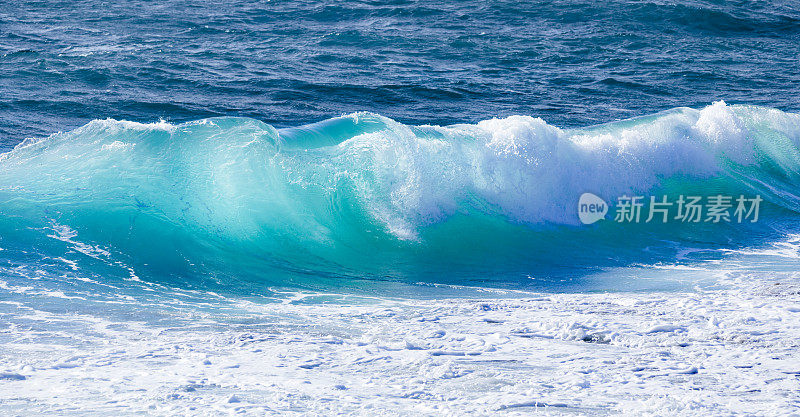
{"x":363,"y":197}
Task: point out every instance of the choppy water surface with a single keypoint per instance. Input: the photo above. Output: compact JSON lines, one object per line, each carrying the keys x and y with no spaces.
{"x":574,"y":63}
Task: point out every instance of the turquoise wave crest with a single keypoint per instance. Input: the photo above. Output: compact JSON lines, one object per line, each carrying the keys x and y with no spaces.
{"x":363,"y":197}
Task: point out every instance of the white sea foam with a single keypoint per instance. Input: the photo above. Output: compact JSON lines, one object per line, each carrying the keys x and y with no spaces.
{"x":730,"y":352}
{"x":534,"y":172}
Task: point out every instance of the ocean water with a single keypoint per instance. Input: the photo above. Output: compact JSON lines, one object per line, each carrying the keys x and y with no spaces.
{"x":198,"y":197}
{"x":357,"y":201}
{"x":573,"y":63}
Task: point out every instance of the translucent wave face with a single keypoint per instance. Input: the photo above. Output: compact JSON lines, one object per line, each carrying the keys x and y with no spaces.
{"x":363,"y":196}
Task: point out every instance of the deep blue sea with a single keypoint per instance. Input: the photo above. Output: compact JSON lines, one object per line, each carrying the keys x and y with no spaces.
{"x":314,"y":143}
{"x":573,"y":63}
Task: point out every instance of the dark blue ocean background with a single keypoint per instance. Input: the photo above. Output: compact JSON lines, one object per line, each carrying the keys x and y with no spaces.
{"x":573,"y":63}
